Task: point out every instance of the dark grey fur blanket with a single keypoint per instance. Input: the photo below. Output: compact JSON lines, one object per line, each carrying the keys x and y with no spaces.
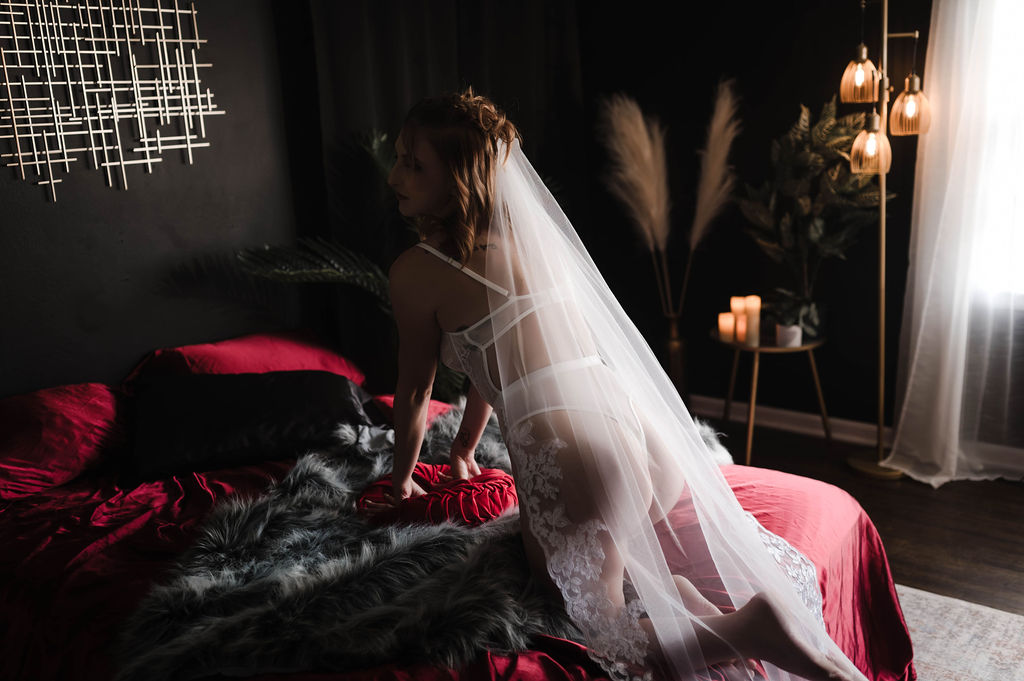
{"x":295,"y":580}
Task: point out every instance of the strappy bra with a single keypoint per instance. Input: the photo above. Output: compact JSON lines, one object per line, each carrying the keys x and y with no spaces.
{"x":541,"y":298}
{"x":465,"y":350}
{"x":455,"y":263}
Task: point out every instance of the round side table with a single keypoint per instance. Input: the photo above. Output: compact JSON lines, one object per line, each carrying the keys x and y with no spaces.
{"x":757,"y":349}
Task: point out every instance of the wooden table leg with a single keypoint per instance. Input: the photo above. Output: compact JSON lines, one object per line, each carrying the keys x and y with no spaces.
{"x":821,"y":395}
{"x":753,"y":401}
{"x":732,"y":384}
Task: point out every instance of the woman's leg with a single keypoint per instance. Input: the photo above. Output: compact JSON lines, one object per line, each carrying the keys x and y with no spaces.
{"x":564,"y":530}
{"x":535,"y":556}
{"x":757,"y":630}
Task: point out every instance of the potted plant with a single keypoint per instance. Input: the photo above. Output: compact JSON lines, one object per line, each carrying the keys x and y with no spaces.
{"x":790,"y":314}
{"x":812,"y":208}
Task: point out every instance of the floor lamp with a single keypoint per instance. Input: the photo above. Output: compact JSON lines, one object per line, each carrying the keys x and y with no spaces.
{"x":871,"y":153}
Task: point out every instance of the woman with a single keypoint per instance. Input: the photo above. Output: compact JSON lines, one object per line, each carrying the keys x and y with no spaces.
{"x":601,"y":446}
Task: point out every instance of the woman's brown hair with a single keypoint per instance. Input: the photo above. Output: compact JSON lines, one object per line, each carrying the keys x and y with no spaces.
{"x":464,"y":129}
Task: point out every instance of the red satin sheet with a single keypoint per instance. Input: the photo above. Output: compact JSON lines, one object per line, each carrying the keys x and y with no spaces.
{"x":76,"y":560}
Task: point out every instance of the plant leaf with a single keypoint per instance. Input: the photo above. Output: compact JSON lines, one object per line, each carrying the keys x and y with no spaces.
{"x":317,"y":260}
{"x":816,"y":230}
{"x":826,"y":123}
{"x":801,"y":130}
{"x":772,"y":249}
{"x":757,"y":213}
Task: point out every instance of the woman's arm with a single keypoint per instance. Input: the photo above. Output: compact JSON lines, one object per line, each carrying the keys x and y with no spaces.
{"x":419,"y":338}
{"x":474,"y":420}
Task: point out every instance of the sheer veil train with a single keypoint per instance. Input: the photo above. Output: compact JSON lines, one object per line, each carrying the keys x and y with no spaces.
{"x":573,"y":374}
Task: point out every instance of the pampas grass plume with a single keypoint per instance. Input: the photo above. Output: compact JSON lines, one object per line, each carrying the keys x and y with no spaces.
{"x":716,"y":177}
{"x":639,"y":176}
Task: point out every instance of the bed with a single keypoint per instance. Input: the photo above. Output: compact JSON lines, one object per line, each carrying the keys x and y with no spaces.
{"x":105,"y":491}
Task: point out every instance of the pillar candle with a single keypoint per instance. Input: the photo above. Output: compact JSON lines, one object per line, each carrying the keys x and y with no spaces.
{"x":752,"y":305}
{"x":726,"y":325}
{"x":738,"y":305}
{"x":741,"y":328}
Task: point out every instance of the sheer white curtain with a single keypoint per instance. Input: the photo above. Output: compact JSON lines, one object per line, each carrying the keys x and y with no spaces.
{"x":961,"y":373}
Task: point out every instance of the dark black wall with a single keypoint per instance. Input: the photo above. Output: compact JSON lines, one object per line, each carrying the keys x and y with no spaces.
{"x":85,"y":283}
{"x":82,"y":277}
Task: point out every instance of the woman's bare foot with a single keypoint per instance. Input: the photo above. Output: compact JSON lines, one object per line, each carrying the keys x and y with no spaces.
{"x":756,"y":631}
{"x":700,"y":606}
{"x":762,"y":634}
{"x":693,"y":599}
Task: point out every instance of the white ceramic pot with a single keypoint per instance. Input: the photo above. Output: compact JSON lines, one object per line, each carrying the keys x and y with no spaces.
{"x":788,"y":336}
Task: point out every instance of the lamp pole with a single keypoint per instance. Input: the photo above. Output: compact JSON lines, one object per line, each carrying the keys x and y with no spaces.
{"x":883,"y":97}
{"x":874,"y":468}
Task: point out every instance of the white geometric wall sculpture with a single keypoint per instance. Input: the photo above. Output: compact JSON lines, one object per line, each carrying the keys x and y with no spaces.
{"x":113,"y":83}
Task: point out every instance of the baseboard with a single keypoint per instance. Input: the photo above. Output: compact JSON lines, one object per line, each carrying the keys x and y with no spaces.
{"x":843,"y":430}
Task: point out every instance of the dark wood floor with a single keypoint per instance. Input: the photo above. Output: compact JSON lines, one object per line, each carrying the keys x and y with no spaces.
{"x":965,"y":539}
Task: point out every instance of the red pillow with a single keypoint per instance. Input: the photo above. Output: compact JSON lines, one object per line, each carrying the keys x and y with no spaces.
{"x":254,"y":354}
{"x":49,"y":437}
{"x":471,"y":502}
{"x":386,"y":405}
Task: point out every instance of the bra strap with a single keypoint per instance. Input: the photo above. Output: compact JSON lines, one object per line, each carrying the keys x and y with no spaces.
{"x":455,"y":263}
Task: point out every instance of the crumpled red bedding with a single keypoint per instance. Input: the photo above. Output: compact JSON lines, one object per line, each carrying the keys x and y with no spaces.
{"x":75,"y":560}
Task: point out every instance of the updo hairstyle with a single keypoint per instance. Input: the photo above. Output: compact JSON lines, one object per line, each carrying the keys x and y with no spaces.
{"x":464,"y":129}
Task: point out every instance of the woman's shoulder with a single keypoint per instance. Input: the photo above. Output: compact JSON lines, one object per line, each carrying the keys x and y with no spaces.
{"x":416,"y":257}
{"x":410,"y":259}
{"x":416,"y":273}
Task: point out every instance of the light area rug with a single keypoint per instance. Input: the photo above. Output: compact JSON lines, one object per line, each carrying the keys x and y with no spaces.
{"x":959,"y":641}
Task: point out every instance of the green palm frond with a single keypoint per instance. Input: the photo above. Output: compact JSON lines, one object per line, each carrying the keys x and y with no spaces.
{"x":317,"y":260}
{"x":216,"y":277}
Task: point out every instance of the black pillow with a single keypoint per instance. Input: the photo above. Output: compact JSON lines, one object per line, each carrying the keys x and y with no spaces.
{"x":208,"y":421}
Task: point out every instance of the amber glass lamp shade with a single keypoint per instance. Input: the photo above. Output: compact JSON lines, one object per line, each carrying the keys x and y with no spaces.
{"x":860,"y":80}
{"x":871,"y":153}
{"x":911,"y":112}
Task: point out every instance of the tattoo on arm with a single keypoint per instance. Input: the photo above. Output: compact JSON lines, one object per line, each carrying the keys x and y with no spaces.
{"x":463,"y":438}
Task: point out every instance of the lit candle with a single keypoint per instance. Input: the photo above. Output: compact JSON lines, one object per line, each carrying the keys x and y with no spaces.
{"x":738,"y":305}
{"x":753,"y":307}
{"x":726,"y":325}
{"x":741,"y":329}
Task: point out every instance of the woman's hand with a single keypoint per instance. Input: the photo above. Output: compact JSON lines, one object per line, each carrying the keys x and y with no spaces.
{"x":400,"y":491}
{"x":463,"y":465}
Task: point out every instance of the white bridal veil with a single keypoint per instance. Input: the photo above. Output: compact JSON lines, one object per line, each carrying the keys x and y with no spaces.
{"x":603,"y":448}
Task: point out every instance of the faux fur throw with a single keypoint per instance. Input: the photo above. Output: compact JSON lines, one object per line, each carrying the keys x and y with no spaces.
{"x":295,"y":580}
